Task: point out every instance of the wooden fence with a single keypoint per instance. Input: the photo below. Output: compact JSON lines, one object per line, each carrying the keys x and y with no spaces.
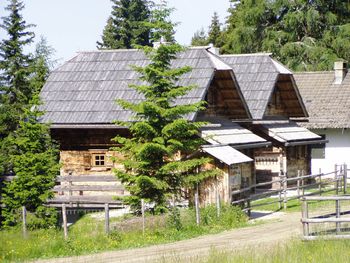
{"x":336,"y":216}
{"x":87,"y":191}
{"x":335,"y":181}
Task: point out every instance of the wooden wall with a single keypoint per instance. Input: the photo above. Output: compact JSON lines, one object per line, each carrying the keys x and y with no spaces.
{"x":271,"y":161}
{"x":223,"y":98}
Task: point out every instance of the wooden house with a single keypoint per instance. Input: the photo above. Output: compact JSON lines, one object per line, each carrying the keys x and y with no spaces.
{"x":79,"y":101}
{"x":326,"y":96}
{"x":274,"y":100}
{"x":250,"y":101}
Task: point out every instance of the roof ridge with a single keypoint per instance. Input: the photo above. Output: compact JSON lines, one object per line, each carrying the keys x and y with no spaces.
{"x":314,"y":72}
{"x":211,"y":56}
{"x":247,"y":54}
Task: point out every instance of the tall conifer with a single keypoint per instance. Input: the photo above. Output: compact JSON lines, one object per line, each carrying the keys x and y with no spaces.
{"x":15,"y":90}
{"x":125,"y":27}
{"x":157,"y":158}
{"x":214,"y":30}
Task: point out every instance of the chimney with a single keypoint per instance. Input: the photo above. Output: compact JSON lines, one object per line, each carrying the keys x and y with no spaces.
{"x":213,"y":49}
{"x":159,"y":43}
{"x":340,"y":70}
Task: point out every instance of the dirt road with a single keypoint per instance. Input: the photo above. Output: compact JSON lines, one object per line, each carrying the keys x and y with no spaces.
{"x":279,"y":230}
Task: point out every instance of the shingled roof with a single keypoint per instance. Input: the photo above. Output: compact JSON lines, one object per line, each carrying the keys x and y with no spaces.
{"x":328,"y":104}
{"x":257,"y":75}
{"x":84,"y":89}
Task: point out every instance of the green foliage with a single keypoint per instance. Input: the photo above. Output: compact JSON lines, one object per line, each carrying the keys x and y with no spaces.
{"x":87,"y":236}
{"x":199,"y":38}
{"x":34,"y":161}
{"x":214,"y":34}
{"x":160,"y":24}
{"x":304,"y":35}
{"x":14,"y":68}
{"x":125,"y":27}
{"x":155,"y":158}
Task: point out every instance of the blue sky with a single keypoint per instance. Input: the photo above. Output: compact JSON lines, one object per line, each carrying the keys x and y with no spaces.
{"x":75,"y":25}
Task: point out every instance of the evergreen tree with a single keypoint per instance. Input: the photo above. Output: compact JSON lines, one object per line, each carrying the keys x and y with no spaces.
{"x":304,"y":35}
{"x":41,"y":66}
{"x":214,"y":33}
{"x":15,"y":90}
{"x":160,"y":23}
{"x":156,"y":157}
{"x":246,"y":25}
{"x":199,"y":38}
{"x":34,"y":160}
{"x":125,"y":27}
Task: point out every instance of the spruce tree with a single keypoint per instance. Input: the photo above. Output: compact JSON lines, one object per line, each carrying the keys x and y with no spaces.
{"x":126,"y":25}
{"x":199,"y":38}
{"x":156,"y":157}
{"x":160,"y":23}
{"x":215,"y":31}
{"x":15,"y":90}
{"x":304,"y":35}
{"x":34,"y":161}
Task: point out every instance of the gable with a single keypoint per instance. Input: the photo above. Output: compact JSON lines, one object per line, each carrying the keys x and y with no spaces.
{"x":224,"y":98}
{"x":264,"y":80}
{"x":285,"y":100}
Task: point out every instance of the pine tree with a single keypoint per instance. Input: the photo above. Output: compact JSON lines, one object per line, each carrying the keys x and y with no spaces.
{"x":34,"y":160}
{"x":160,"y":23}
{"x":156,"y":158}
{"x":199,"y":38}
{"x":126,"y":25}
{"x":214,"y":33}
{"x":14,"y":68}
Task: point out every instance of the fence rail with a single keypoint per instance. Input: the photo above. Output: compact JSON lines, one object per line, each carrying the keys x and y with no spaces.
{"x":331,"y":217}
{"x":300,"y":183}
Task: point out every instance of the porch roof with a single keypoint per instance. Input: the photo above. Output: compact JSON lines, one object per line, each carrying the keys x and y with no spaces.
{"x":227,"y":154}
{"x":290,"y":132}
{"x":225,"y":132}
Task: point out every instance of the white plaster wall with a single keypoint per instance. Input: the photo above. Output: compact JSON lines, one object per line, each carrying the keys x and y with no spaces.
{"x":337,"y":150}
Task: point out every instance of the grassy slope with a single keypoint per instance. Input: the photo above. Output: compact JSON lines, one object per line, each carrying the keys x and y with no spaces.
{"x":87,"y":235}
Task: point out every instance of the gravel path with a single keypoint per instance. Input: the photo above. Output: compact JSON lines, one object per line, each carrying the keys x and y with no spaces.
{"x":281,"y":228}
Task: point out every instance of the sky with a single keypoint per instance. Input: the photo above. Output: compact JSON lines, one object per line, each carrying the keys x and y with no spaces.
{"x":71,"y":26}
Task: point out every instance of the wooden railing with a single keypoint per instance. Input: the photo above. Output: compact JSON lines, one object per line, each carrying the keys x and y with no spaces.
{"x":300,"y":183}
{"x":337,"y":217}
{"x":72,"y":189}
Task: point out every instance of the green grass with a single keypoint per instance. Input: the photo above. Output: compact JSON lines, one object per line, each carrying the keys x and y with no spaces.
{"x":294,"y":251}
{"x":87,"y":235}
{"x":293,"y":205}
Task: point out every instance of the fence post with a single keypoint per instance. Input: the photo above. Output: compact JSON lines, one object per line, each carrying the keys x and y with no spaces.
{"x":196,"y":203}
{"x":336,"y":179}
{"x":345,"y":176}
{"x":305,"y":215}
{"x":303,"y":181}
{"x":24,"y":221}
{"x":143,"y":215}
{"x":298,"y":184}
{"x":217,"y":198}
{"x":64,"y":217}
{"x":280,"y":193}
{"x":107,"y":218}
{"x":337,"y":211}
{"x":320,"y":181}
{"x":285,"y":191}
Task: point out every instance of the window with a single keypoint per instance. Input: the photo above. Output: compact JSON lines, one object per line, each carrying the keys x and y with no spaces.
{"x":99,"y":160}
{"x":318,"y":150}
